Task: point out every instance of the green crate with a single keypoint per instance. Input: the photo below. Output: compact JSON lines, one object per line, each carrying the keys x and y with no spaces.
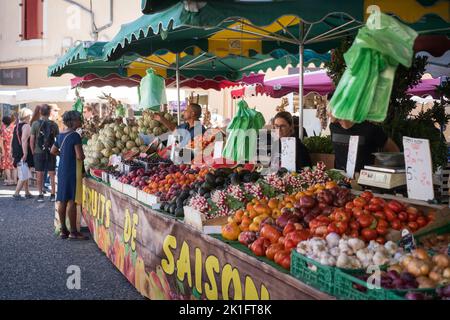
{"x":312,"y":272}
{"x":344,"y":288}
{"x":437,"y":231}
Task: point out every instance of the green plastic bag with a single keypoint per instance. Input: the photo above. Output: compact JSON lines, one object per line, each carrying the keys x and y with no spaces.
{"x":152,"y":91}
{"x":364,"y":90}
{"x":78,"y":106}
{"x":243,"y":131}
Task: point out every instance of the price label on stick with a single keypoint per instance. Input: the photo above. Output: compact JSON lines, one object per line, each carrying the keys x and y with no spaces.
{"x":419,"y":169}
{"x":407,"y":242}
{"x":288,"y":153}
{"x":218,"y":148}
{"x":352,"y":156}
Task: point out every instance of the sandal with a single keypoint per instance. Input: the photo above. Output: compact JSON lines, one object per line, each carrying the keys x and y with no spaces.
{"x":64,"y":234}
{"x":18,"y":197}
{"x":77,"y":236}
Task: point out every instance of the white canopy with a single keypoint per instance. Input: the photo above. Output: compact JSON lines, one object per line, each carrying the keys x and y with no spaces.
{"x":8,"y":97}
{"x":43,"y":95}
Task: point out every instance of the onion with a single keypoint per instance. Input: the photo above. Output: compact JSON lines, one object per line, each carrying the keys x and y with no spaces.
{"x":426,"y":283}
{"x":393,"y":274}
{"x":446,"y":273}
{"x":421,"y":254}
{"x":444,"y":291}
{"x":441,"y":260}
{"x":436,"y":277}
{"x":415,"y":296}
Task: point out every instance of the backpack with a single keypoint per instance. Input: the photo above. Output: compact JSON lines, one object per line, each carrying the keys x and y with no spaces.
{"x":46,"y":135}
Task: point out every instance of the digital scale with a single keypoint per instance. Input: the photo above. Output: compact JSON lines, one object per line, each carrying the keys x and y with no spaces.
{"x":382,"y":177}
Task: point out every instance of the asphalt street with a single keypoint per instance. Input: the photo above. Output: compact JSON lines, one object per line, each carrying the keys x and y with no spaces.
{"x":34,"y":262}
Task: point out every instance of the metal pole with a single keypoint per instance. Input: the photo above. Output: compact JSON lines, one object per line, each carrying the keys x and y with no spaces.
{"x":178,"y":88}
{"x":300,"y":82}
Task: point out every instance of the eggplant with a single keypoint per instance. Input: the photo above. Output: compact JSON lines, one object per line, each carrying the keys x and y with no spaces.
{"x":415,"y":296}
{"x":443,"y":292}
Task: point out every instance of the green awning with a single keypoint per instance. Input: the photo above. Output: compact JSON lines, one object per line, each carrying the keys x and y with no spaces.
{"x":86,"y":58}
{"x":266,"y":26}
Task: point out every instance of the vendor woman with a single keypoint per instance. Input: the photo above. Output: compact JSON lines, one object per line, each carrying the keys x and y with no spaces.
{"x":371,"y":139}
{"x":284,"y":122}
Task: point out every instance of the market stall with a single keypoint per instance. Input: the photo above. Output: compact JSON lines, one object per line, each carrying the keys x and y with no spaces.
{"x":167,"y":259}
{"x":219,"y":224}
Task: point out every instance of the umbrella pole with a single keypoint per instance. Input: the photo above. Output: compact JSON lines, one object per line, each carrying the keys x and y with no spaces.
{"x":300,"y":82}
{"x":178,"y":88}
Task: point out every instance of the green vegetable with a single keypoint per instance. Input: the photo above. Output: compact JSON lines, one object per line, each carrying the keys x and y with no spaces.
{"x":318,"y":144}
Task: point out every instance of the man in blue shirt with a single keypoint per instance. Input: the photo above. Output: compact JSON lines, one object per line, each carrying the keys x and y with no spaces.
{"x":190,"y":128}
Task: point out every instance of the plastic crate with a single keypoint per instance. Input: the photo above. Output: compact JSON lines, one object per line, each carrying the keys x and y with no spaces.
{"x":312,"y":272}
{"x":345,"y":288}
{"x":440,"y":230}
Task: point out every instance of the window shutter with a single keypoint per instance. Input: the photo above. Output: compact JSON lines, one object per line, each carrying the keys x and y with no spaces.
{"x":32,"y":22}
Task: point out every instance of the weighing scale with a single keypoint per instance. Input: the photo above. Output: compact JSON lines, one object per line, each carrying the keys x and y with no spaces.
{"x":382,"y":177}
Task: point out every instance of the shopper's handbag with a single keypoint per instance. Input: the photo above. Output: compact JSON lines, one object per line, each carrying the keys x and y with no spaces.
{"x":23,"y":171}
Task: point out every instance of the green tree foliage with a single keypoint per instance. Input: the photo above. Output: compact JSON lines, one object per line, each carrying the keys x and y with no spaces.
{"x":399,"y":121}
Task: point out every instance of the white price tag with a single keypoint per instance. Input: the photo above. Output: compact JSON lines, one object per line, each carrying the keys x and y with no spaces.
{"x":352,"y":156}
{"x":288,"y":157}
{"x":218,"y":148}
{"x":419,"y":168}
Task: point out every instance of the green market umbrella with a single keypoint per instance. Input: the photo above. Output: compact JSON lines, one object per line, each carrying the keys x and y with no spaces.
{"x":246,"y":28}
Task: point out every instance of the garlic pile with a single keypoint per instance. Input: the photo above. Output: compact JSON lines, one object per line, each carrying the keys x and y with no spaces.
{"x":349,"y":253}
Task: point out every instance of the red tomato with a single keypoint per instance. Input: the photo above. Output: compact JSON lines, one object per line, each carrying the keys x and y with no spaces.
{"x":396,"y":224}
{"x":366,"y":195}
{"x":412,"y":216}
{"x":369,"y":234}
{"x":379,"y":215}
{"x":380,"y":240}
{"x":273,"y":249}
{"x":365,"y":220}
{"x":381,"y":230}
{"x":354,"y":233}
{"x":283,"y":258}
{"x":349,"y":206}
{"x":357,"y":212}
{"x":395,"y":206}
{"x":403,"y":216}
{"x":375,"y":207}
{"x":383,"y":223}
{"x":354,"y":225}
{"x":413,"y":226}
{"x":359,"y":202}
{"x":377,"y":200}
{"x":390,"y":214}
{"x":422,"y":221}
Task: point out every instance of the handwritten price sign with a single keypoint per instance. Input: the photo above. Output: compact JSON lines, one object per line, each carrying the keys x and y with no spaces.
{"x":419,"y":169}
{"x":352,"y":155}
{"x":288,"y":153}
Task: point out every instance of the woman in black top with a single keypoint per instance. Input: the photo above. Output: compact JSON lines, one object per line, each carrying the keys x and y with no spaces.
{"x":21,"y":150}
{"x":284,"y":122}
{"x":371,"y":139}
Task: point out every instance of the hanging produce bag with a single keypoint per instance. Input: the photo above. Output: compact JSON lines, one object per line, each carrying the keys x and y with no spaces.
{"x":78,"y":106}
{"x":121,"y":110}
{"x":364,"y":90}
{"x":243,"y":134}
{"x":152,"y":91}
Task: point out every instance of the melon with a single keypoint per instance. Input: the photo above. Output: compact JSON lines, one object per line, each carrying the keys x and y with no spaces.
{"x":109,"y":143}
{"x":126,"y":130}
{"x":135,"y":149}
{"x":125,"y":138}
{"x":115,"y":150}
{"x":119,"y":134}
{"x":168,"y":116}
{"x":139,"y":141}
{"x":120,"y":145}
{"x":130,"y":144}
{"x":97,"y":155}
{"x":135,"y":129}
{"x":157,"y":131}
{"x":106,"y":152}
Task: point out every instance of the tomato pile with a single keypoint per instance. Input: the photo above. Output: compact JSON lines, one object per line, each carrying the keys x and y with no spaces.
{"x":370,"y":218}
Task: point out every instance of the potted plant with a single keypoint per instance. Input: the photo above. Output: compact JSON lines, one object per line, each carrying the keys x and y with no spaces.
{"x":320,"y":149}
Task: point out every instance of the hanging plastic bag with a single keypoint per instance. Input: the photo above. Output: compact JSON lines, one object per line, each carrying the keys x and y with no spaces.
{"x":152,"y":91}
{"x":364,"y":90}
